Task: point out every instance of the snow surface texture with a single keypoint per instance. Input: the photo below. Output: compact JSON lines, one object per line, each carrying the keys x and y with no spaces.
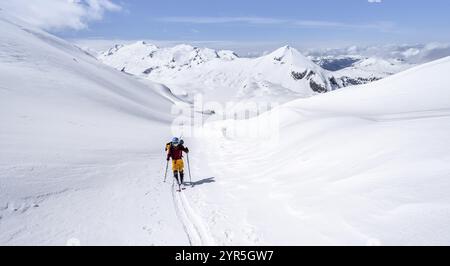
{"x":81,"y":159}
{"x":366,"y":165}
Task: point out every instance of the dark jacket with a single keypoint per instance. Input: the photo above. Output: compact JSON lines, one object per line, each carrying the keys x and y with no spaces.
{"x":176,"y":153}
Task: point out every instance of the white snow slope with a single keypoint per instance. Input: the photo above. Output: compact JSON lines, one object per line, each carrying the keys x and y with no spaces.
{"x":80,"y":149}
{"x":366,"y":165}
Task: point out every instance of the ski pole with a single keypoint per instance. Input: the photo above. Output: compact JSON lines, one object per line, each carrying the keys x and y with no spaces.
{"x":189,"y":168}
{"x":165,"y":175}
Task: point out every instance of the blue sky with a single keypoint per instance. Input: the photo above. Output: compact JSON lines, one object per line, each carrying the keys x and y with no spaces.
{"x":319,"y":21}
{"x":240,"y":25}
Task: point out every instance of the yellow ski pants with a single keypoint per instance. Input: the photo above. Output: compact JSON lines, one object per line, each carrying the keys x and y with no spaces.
{"x":178,"y":165}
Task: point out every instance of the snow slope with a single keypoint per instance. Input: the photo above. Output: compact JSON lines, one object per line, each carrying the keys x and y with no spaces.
{"x":80,"y":148}
{"x":365,"y":165}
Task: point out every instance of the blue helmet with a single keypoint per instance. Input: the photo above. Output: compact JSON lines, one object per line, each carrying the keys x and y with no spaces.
{"x":176,"y":141}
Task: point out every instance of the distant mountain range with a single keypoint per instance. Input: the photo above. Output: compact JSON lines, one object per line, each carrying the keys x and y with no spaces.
{"x":281,"y":75}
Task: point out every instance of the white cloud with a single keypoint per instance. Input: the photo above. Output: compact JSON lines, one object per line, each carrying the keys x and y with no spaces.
{"x":382,"y":26}
{"x":58,"y":14}
{"x":221,"y":20}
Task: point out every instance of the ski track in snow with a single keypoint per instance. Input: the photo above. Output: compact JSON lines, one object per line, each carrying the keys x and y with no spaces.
{"x":193,"y":225}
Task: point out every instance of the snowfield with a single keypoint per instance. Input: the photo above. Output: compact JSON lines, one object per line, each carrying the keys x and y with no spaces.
{"x":80,"y":149}
{"x":82,"y":159}
{"x":366,"y":165}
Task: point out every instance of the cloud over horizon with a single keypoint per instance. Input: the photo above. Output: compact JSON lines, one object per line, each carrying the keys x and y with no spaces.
{"x":412,"y":53}
{"x":378,"y":25}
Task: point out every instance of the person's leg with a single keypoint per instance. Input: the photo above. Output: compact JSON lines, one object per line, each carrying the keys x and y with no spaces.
{"x":174,"y":169}
{"x":178,"y":166}
{"x":181,"y":170}
{"x":182,"y":177}
{"x":175,"y":175}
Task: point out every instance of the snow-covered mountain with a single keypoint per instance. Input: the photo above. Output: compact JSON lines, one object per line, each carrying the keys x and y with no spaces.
{"x":336,"y":58}
{"x":146,"y":58}
{"x":359,"y":65}
{"x":282,"y":75}
{"x":351,"y":70}
{"x":370,"y":69}
{"x":375,"y":67}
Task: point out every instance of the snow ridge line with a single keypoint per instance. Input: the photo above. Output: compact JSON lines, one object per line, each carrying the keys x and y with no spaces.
{"x":192,"y":224}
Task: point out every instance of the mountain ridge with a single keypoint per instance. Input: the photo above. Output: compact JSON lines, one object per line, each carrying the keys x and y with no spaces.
{"x":283,"y":71}
{"x":182,"y":65}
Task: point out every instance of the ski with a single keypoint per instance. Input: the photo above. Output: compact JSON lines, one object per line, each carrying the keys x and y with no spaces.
{"x":181,"y":189}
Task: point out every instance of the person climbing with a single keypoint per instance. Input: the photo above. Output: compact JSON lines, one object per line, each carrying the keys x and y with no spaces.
{"x":175,"y":151}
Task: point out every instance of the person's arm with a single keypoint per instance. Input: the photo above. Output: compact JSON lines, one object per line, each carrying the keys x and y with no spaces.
{"x":186,"y":150}
{"x":169,"y":153}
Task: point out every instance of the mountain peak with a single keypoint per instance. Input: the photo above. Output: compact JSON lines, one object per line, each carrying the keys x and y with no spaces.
{"x":287,"y":51}
{"x":284,"y":50}
{"x":289,"y":55}
{"x":143,"y":43}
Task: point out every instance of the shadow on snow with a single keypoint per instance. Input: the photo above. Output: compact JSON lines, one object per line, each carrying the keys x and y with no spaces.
{"x":201,"y":182}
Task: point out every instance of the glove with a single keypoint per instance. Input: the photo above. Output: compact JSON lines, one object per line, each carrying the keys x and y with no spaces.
{"x":187,"y":150}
